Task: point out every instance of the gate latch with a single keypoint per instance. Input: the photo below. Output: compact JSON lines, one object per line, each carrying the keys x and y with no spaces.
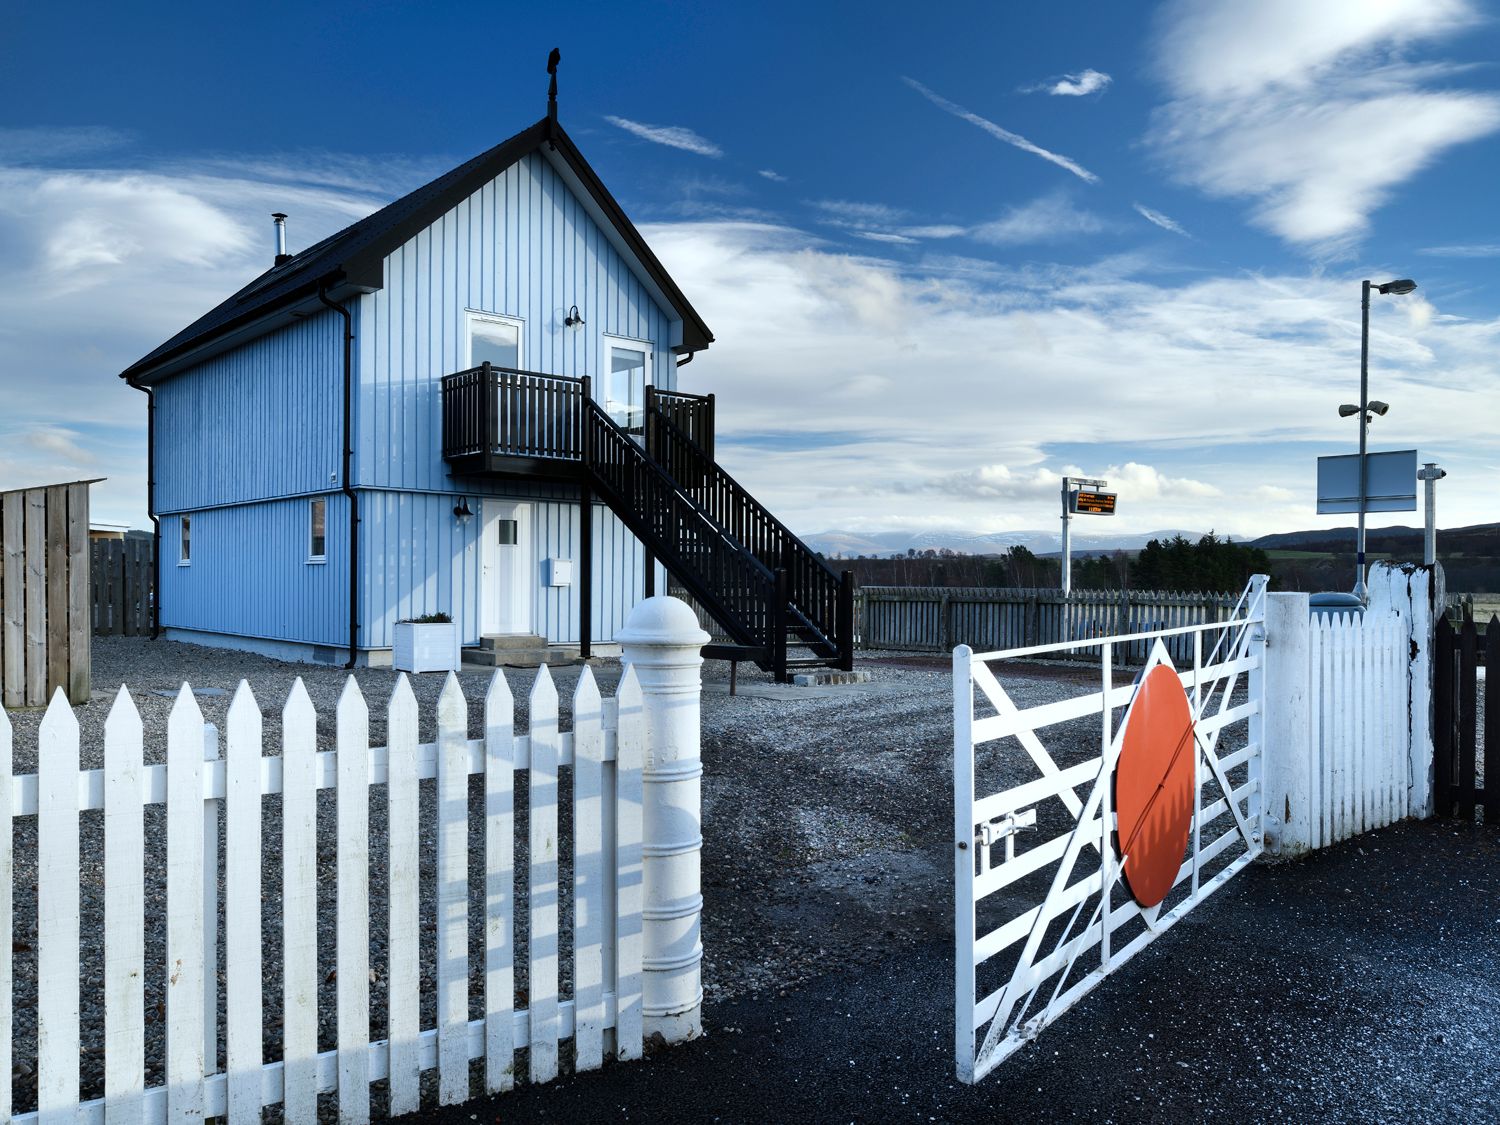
{"x":1004,"y":828}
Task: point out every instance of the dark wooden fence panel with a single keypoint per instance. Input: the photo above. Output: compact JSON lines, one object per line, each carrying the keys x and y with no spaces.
{"x":936,"y":618}
{"x":1466,"y":733}
{"x":124,"y":587}
{"x":44,"y":586}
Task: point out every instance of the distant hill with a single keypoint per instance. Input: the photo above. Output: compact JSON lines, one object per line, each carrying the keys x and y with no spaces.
{"x":884,"y":544}
{"x":1477,"y":539}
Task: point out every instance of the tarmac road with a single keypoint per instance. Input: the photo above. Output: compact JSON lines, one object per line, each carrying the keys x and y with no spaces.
{"x":1362,"y":984}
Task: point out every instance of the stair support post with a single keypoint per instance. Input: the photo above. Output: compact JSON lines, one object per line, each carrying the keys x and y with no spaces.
{"x":778,"y":625}
{"x":846,"y":621}
{"x":585,"y":527}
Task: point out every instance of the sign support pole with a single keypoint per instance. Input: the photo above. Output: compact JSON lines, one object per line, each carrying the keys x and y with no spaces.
{"x":1430,"y":474}
{"x":1067,"y":540}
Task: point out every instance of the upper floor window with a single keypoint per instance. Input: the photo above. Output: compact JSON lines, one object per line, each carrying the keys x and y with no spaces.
{"x":494,"y":339}
{"x":317,"y":531}
{"x":185,"y":552}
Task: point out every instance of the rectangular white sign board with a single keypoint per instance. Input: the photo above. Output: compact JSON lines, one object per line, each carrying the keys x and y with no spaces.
{"x":1390,"y":485}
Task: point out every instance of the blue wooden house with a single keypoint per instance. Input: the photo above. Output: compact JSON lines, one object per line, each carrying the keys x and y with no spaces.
{"x":465,"y":403}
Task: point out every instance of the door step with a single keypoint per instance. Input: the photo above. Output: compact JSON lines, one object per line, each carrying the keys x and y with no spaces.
{"x":533,"y":656}
{"x":495,"y":642}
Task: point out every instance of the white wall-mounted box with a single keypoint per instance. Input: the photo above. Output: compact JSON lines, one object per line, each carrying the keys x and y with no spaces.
{"x":559,"y":572}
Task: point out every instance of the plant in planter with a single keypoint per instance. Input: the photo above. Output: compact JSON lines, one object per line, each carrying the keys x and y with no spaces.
{"x":426,"y":644}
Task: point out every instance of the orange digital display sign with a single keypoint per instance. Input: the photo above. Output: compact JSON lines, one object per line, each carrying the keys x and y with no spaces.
{"x":1094,"y":503}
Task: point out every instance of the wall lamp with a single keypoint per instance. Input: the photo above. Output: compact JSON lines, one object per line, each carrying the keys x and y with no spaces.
{"x":574,"y":319}
{"x":462,"y":511}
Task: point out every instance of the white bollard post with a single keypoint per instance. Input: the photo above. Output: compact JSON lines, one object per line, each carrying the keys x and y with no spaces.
{"x":661,"y":639}
{"x":1288,"y":751}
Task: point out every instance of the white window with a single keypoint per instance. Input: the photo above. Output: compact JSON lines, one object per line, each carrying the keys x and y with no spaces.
{"x":185,"y":552}
{"x":622,"y":387}
{"x":493,"y":339}
{"x":317,"y":531}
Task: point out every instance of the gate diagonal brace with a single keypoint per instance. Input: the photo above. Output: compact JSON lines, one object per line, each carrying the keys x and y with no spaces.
{"x":1212,"y":761}
{"x":985,"y":680}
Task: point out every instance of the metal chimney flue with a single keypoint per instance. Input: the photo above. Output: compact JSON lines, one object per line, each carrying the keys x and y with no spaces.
{"x":281,"y":255}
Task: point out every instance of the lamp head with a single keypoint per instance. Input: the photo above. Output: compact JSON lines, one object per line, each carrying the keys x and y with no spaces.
{"x":1347,"y":410}
{"x":1378,"y":407}
{"x":1400,"y":286}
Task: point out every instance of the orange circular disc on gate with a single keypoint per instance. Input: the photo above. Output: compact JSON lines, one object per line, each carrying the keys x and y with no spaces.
{"x":1154,"y":786}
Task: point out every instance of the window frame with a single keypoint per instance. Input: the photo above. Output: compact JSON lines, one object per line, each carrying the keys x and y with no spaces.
{"x":471,"y":316}
{"x":185,"y":540}
{"x":313,"y":558}
{"x":611,"y":340}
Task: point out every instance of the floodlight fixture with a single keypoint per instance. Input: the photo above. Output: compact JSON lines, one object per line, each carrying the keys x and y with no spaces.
{"x":1378,"y":407}
{"x":1401,"y":286}
{"x":1348,"y":410}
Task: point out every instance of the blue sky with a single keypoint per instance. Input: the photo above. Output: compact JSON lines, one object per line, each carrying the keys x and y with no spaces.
{"x":947,"y":256}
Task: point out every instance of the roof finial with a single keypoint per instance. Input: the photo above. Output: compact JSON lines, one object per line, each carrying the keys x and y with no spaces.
{"x":552,"y":61}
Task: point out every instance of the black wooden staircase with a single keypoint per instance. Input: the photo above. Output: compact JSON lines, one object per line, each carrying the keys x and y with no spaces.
{"x":769,"y":593}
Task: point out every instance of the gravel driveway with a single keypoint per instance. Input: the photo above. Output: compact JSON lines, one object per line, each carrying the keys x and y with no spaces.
{"x":827,"y":816}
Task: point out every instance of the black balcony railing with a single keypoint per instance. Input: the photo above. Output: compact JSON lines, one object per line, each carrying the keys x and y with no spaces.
{"x":501,"y":412}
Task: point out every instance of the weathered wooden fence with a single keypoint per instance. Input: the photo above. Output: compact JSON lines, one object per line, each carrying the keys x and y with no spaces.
{"x":44,"y":594}
{"x":600,"y":909}
{"x":937,"y":618}
{"x":124,"y":584}
{"x":1466,"y":734}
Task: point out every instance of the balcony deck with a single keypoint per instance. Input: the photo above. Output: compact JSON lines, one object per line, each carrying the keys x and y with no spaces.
{"x":504,"y":422}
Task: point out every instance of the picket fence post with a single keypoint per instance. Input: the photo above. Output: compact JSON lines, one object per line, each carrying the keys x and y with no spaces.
{"x":661,"y":641}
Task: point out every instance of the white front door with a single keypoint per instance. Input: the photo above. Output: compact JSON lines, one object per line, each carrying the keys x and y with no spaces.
{"x":505,"y":578}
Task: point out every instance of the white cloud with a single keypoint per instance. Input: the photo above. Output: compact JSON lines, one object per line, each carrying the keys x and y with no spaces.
{"x":1085,"y":82}
{"x":60,"y":442}
{"x":1052,"y":218}
{"x":1477,"y":250}
{"x":771,"y":174}
{"x":886,"y":236}
{"x":673,"y":136}
{"x":1311,"y":111}
{"x":1001,"y":133}
{"x":1163,"y":221}
{"x":897,"y":393}
{"x":25,"y":145}
{"x":840,"y":376}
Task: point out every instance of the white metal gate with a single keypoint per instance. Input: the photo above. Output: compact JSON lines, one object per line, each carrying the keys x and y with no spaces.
{"x":1039,"y":892}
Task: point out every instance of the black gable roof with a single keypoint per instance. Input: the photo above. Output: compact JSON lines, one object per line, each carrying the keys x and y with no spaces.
{"x":355,"y":256}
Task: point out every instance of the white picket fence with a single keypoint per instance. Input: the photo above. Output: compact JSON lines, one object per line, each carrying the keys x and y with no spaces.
{"x":602,"y":1015}
{"x":1360,"y":732}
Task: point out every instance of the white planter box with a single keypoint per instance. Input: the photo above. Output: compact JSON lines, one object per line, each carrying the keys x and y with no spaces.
{"x":426,"y":648}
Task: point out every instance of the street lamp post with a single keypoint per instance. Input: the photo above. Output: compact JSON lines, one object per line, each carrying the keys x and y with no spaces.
{"x":1400,"y":286}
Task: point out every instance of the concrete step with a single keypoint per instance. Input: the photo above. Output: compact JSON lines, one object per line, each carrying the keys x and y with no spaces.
{"x":552,"y":655}
{"x":495,"y":642}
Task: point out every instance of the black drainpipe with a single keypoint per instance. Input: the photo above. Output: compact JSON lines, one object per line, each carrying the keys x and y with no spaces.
{"x":151,"y":505}
{"x":348,"y":471}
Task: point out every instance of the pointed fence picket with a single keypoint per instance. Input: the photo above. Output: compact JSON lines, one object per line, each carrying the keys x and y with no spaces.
{"x":601,"y":1013}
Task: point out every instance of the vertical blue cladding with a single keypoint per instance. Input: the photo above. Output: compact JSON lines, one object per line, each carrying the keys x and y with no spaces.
{"x":523,"y":246}
{"x":419,"y":559}
{"x":263,"y":420}
{"x":250,"y":574}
